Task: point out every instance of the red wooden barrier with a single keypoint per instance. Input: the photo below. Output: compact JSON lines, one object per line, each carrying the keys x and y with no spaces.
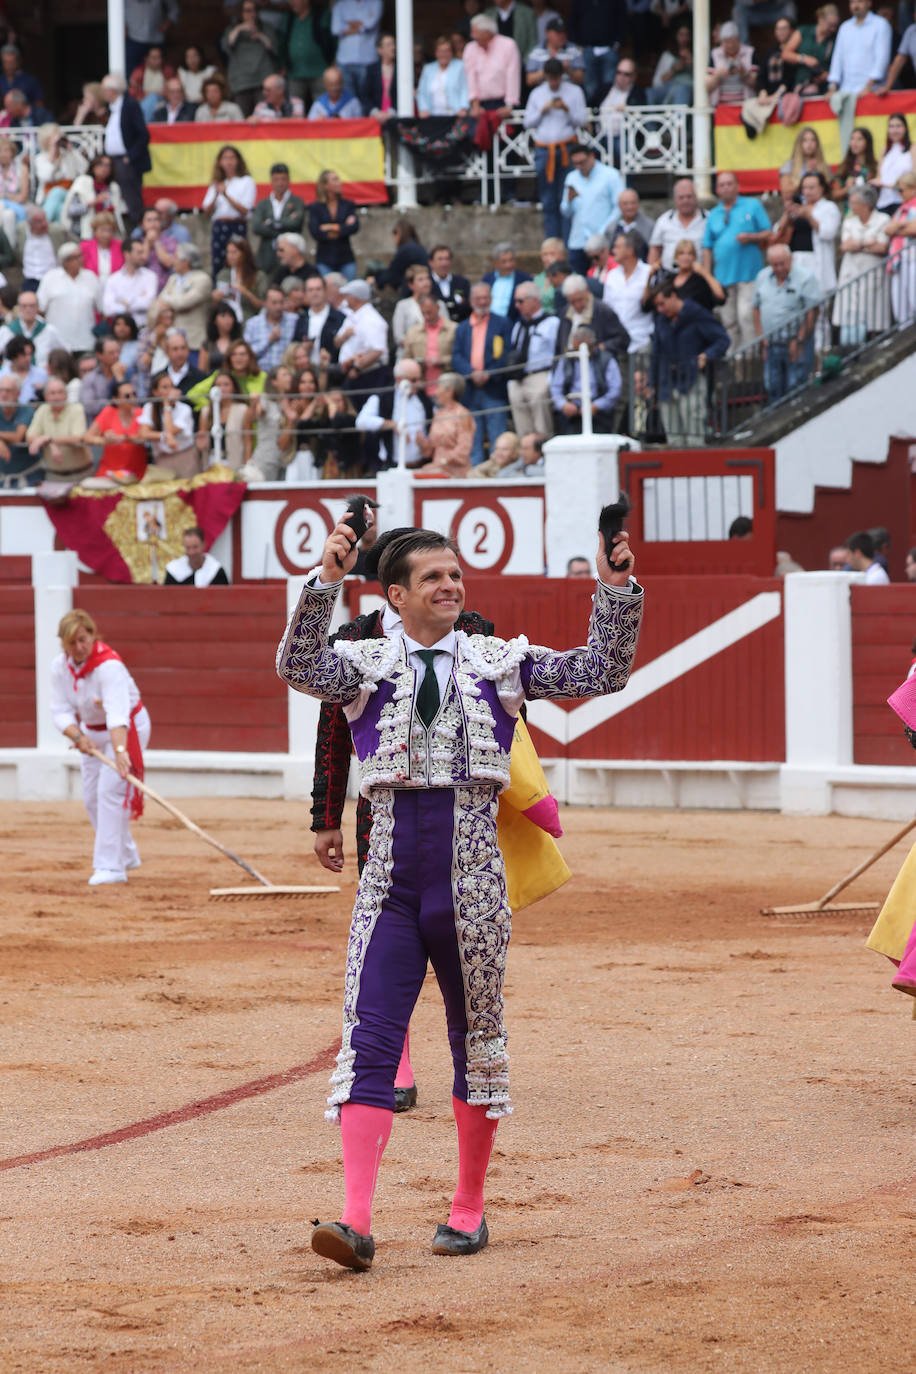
{"x":203,"y":660}
{"x":17,"y":680}
{"x":883,"y":626}
{"x":729,"y":707}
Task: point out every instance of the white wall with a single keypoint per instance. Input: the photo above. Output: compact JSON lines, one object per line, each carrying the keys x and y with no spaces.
{"x":821,"y":452}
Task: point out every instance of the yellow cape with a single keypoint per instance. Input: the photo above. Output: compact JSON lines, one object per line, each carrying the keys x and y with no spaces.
{"x":896,"y":918}
{"x":534,"y":865}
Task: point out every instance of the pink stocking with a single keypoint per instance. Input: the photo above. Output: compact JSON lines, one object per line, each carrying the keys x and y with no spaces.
{"x":364,"y":1133}
{"x":404,"y":1076}
{"x":476,"y":1133}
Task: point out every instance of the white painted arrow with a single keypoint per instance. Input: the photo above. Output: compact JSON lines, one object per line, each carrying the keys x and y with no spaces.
{"x":566,"y":726}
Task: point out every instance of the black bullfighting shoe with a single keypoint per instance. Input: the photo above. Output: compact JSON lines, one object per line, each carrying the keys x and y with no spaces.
{"x":337,"y":1241}
{"x":448,"y":1241}
{"x":405,"y":1098}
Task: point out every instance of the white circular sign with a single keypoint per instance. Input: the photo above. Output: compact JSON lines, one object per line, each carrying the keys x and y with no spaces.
{"x":303,"y":537}
{"x":481,"y":538}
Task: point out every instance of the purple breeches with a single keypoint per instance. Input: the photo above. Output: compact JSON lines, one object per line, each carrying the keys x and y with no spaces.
{"x":433,"y":889}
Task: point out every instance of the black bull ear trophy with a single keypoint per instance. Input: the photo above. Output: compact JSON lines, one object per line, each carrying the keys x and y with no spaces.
{"x":610,"y":523}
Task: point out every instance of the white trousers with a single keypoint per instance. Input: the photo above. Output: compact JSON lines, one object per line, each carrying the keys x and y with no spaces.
{"x":104,"y":794}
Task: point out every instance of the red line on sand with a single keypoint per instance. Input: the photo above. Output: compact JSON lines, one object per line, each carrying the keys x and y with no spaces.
{"x":255,"y":1088}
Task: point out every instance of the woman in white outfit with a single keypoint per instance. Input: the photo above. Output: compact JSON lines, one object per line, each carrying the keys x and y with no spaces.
{"x":96,"y":703}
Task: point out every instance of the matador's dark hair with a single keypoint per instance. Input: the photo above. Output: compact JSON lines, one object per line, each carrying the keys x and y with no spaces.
{"x":394,"y":564}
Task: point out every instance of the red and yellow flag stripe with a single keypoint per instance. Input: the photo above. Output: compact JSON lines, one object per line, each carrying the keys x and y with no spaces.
{"x":183,"y":156}
{"x":757,"y":161}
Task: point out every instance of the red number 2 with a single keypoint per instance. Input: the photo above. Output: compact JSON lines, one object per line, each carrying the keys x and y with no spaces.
{"x":305,"y":543}
{"x":480,"y":534}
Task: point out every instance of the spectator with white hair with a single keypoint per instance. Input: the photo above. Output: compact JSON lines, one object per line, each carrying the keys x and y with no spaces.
{"x":632,"y":217}
{"x":404,"y":411}
{"x":26,"y":323}
{"x":534,"y":344}
{"x":188,"y":291}
{"x":169,"y":221}
{"x":173,"y":107}
{"x":68,"y":297}
{"x":598,"y":252}
{"x":334,"y":284}
{"x":275,"y":103}
{"x":337,"y":101}
{"x":133,"y":288}
{"x":292,"y":260}
{"x":56,"y":435}
{"x":363,"y":342}
{"x":14,"y":421}
{"x":732,"y":75}
{"x":126,"y":143}
{"x":583,"y":309}
{"x":448,"y":445}
{"x":38,"y":256}
{"x":493,"y":68}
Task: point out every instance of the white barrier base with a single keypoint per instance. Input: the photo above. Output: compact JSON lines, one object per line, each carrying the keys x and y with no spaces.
{"x":726,"y":785}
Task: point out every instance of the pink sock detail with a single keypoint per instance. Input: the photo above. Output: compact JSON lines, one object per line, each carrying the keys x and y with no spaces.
{"x":364,"y":1133}
{"x":476,"y":1133}
{"x":546,"y":814}
{"x":404,"y":1076}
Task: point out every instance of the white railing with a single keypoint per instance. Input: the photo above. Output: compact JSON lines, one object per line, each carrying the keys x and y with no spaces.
{"x":87,"y":139}
{"x":652,"y":139}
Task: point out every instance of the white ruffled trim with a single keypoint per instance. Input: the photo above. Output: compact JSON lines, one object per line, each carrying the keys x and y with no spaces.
{"x":507,"y":654}
{"x":374,"y":658}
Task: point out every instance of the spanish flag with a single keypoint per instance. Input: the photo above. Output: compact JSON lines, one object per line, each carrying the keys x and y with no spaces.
{"x":757,"y":161}
{"x":183,"y":156}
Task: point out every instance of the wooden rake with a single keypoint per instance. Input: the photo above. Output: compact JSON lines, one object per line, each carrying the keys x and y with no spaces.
{"x":221,"y":894}
{"x":822,"y":908}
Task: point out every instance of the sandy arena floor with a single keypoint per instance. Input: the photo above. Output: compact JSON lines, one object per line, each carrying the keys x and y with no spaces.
{"x":710,"y":1166}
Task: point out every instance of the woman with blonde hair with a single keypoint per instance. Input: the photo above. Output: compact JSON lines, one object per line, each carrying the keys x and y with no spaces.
{"x":901,"y":262}
{"x":14,"y":188}
{"x":57,"y":165}
{"x":332,"y":223}
{"x":96,"y":704}
{"x":451,"y":434}
{"x":807,"y":156}
{"x":229,"y":442}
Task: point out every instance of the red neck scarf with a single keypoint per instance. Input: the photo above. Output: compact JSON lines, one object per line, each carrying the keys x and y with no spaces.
{"x":98,"y":654}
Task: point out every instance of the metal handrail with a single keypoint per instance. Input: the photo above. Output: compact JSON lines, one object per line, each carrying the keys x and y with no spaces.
{"x":716,"y":405}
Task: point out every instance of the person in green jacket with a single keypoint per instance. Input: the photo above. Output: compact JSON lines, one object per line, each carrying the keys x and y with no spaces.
{"x":307,"y":47}
{"x":279,"y":213}
{"x":522,"y":26}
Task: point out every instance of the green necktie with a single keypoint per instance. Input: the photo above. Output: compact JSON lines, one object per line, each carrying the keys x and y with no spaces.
{"x":428,"y":695}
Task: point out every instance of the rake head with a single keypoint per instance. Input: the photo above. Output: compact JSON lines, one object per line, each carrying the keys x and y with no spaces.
{"x":238,"y":894}
{"x":812,"y":909}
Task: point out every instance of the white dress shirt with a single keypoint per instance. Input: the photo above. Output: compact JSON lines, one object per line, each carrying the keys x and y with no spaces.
{"x":670,"y":229}
{"x":370,"y":334}
{"x":315,"y":323}
{"x":555,"y":126}
{"x":130,"y":293}
{"x":356,"y":49}
{"x":624,"y":295}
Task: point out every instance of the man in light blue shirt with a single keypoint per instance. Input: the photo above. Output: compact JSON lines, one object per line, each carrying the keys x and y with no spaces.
{"x":862,"y":52}
{"x":590,"y":200}
{"x":786,"y":300}
{"x":735,"y":230}
{"x":355,"y":25}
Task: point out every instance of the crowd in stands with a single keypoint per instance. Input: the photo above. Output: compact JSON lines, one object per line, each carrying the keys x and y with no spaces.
{"x":127,"y":350}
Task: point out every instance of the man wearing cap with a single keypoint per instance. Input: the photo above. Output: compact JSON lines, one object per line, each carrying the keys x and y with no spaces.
{"x":279,"y":213}
{"x":555,"y":113}
{"x":555,"y":48}
{"x":68,"y":297}
{"x":433,"y":715}
{"x":333,"y":749}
